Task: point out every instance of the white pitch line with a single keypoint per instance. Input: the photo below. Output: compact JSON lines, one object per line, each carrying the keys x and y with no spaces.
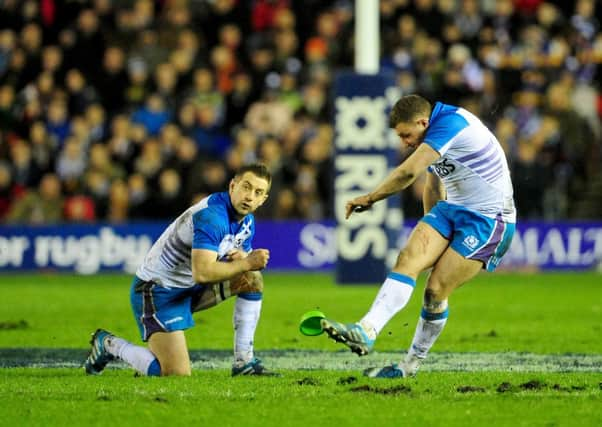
{"x":337,"y":361}
{"x":463,"y":362}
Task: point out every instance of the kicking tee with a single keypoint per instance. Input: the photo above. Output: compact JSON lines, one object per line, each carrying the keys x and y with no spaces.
{"x":210,"y":224}
{"x":472,"y":166}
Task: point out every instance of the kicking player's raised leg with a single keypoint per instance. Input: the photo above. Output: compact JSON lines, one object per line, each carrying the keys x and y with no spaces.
{"x":424,"y":247}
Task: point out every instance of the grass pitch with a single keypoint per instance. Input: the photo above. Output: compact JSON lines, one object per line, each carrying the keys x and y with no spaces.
{"x":517,"y":350}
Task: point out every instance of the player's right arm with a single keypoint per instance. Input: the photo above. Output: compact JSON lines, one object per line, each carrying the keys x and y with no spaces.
{"x":207,"y":269}
{"x":398,"y":179}
{"x":433,"y":192}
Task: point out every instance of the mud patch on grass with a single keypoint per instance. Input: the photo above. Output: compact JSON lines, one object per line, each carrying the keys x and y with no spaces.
{"x":398,"y":389}
{"x":470,"y":389}
{"x":559,"y":387}
{"x":307,"y":381}
{"x":9,"y":325}
{"x":533,"y":385}
{"x":504,"y":387}
{"x":347,"y":380}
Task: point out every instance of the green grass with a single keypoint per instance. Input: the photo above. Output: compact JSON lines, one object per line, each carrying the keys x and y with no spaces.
{"x":317,"y":398}
{"x":546,"y":314}
{"x":552,"y":313}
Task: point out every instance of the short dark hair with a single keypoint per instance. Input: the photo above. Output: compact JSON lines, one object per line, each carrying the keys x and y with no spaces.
{"x":407,"y":108}
{"x":258,"y":169}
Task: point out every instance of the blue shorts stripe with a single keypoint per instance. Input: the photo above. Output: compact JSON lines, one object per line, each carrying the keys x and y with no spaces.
{"x":434,"y":316}
{"x":402,"y":278}
{"x":492,"y":241}
{"x":502,"y":247}
{"x":149,"y":319}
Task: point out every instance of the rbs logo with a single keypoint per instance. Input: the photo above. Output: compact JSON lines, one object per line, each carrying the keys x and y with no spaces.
{"x":360,"y":166}
{"x":444,"y":168}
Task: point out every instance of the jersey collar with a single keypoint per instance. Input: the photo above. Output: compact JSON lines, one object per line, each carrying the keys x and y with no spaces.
{"x":436,"y":110}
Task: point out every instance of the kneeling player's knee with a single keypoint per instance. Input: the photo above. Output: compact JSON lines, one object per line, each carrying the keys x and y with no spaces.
{"x":251,"y":281}
{"x":176,"y":370}
{"x":257,"y":281}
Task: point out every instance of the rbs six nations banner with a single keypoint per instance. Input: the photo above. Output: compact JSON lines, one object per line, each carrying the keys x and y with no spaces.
{"x":365,"y":150}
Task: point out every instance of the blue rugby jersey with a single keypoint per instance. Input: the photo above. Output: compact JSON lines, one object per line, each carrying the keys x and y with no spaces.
{"x":210,"y":224}
{"x":472,"y":166}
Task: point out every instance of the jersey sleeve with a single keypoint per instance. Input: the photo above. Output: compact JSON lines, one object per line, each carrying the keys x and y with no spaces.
{"x":248,"y":244}
{"x":440,"y":134}
{"x":207,"y":230}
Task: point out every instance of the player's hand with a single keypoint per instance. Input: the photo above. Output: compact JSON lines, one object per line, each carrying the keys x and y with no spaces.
{"x":235,"y":254}
{"x":258,"y":259}
{"x":359,"y":204}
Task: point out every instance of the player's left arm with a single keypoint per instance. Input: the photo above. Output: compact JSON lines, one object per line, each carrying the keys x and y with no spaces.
{"x":208,"y":231}
{"x":206,"y":268}
{"x":400,"y":178}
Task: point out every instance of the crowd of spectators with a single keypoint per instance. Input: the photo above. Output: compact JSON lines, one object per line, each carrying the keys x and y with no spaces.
{"x":134,"y":109}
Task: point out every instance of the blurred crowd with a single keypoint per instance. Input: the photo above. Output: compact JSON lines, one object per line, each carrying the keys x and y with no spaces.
{"x":134,"y":109}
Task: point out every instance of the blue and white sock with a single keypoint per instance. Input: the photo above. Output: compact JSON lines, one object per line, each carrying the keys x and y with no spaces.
{"x":246,"y":316}
{"x":429,"y":327}
{"x":139,"y":358}
{"x":393,"y":295}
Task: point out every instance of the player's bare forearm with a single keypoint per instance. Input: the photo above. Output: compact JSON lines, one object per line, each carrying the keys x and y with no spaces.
{"x":206,"y":269}
{"x":219,"y":270}
{"x":406,"y":173}
{"x":396,"y":181}
{"x":399,"y":179}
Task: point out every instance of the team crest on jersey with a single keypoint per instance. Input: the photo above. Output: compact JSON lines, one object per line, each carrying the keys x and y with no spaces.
{"x":230,"y":242}
{"x":471,"y":241}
